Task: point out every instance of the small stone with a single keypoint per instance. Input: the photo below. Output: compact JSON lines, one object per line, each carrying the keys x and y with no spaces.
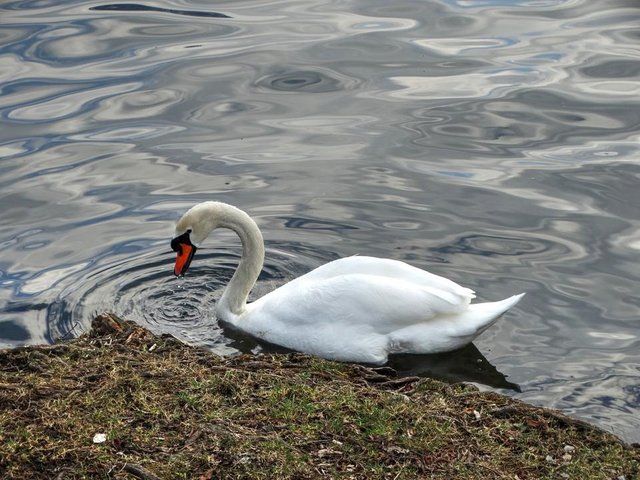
{"x":569,"y":448}
{"x":99,"y":438}
{"x":476,"y":414}
{"x":326,"y":452}
{"x":549,"y":458}
{"x":396,"y":449}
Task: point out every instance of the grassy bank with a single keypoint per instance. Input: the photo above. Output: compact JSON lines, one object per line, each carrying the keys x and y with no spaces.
{"x":172,"y":411}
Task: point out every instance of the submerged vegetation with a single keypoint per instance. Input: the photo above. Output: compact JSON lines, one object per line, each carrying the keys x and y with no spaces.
{"x":122,"y":403}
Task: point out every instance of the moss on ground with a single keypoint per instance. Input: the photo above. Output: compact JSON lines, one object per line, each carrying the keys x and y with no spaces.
{"x":172,"y":411}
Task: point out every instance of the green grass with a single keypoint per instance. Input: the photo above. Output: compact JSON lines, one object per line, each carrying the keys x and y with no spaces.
{"x":172,"y":411}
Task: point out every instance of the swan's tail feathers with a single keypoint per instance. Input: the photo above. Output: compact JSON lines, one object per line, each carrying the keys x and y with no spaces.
{"x":483,"y":315}
{"x":449,"y":332}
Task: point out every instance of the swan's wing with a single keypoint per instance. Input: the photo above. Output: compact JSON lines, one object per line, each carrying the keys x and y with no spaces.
{"x":372,"y":303}
{"x":386,"y":267}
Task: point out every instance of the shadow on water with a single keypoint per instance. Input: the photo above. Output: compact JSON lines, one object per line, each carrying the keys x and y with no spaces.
{"x":467,"y":364}
{"x":136,"y":7}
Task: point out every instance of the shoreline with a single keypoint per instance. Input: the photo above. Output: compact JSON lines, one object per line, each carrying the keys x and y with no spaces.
{"x":121,"y":402}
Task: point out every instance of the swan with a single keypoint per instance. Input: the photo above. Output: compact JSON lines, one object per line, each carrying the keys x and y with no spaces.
{"x":354,"y":309}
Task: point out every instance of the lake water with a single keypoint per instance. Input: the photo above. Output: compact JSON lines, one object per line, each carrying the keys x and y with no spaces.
{"x":493,"y":142}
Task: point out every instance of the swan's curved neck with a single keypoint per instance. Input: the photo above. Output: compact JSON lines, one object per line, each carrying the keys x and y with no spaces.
{"x":234,"y":298}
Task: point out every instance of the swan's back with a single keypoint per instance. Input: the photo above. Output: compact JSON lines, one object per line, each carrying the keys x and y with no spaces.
{"x":394,"y":270}
{"x":377,"y":303}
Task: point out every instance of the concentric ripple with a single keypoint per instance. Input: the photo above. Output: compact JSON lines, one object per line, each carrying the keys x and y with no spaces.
{"x":145,"y":290}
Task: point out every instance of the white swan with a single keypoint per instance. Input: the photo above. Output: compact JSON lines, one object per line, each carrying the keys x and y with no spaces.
{"x":357,"y":309}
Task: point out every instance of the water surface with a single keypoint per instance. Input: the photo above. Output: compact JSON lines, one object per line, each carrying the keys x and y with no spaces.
{"x":494,"y":142}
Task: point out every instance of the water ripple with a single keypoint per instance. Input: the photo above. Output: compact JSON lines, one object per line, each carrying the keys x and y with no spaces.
{"x":302,"y":81}
{"x":495,"y":143}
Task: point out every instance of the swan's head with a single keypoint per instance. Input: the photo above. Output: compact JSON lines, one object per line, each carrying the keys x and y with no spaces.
{"x":199,"y":221}
{"x":191,"y":230}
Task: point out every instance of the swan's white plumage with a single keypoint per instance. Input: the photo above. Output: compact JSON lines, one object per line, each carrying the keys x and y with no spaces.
{"x":352,"y":309}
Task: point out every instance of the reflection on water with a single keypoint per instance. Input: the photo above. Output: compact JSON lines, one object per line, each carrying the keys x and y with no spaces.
{"x":134,"y":7}
{"x":464,"y":365}
{"x":495,"y":143}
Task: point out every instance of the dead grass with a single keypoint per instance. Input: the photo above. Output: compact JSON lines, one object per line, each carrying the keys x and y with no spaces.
{"x":171,"y":411}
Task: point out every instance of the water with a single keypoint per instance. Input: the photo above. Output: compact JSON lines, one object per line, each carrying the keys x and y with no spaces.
{"x":492,"y":142}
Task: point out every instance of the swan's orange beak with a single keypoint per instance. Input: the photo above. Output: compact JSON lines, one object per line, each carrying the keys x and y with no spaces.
{"x":183,"y":260}
{"x":185,"y":249}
